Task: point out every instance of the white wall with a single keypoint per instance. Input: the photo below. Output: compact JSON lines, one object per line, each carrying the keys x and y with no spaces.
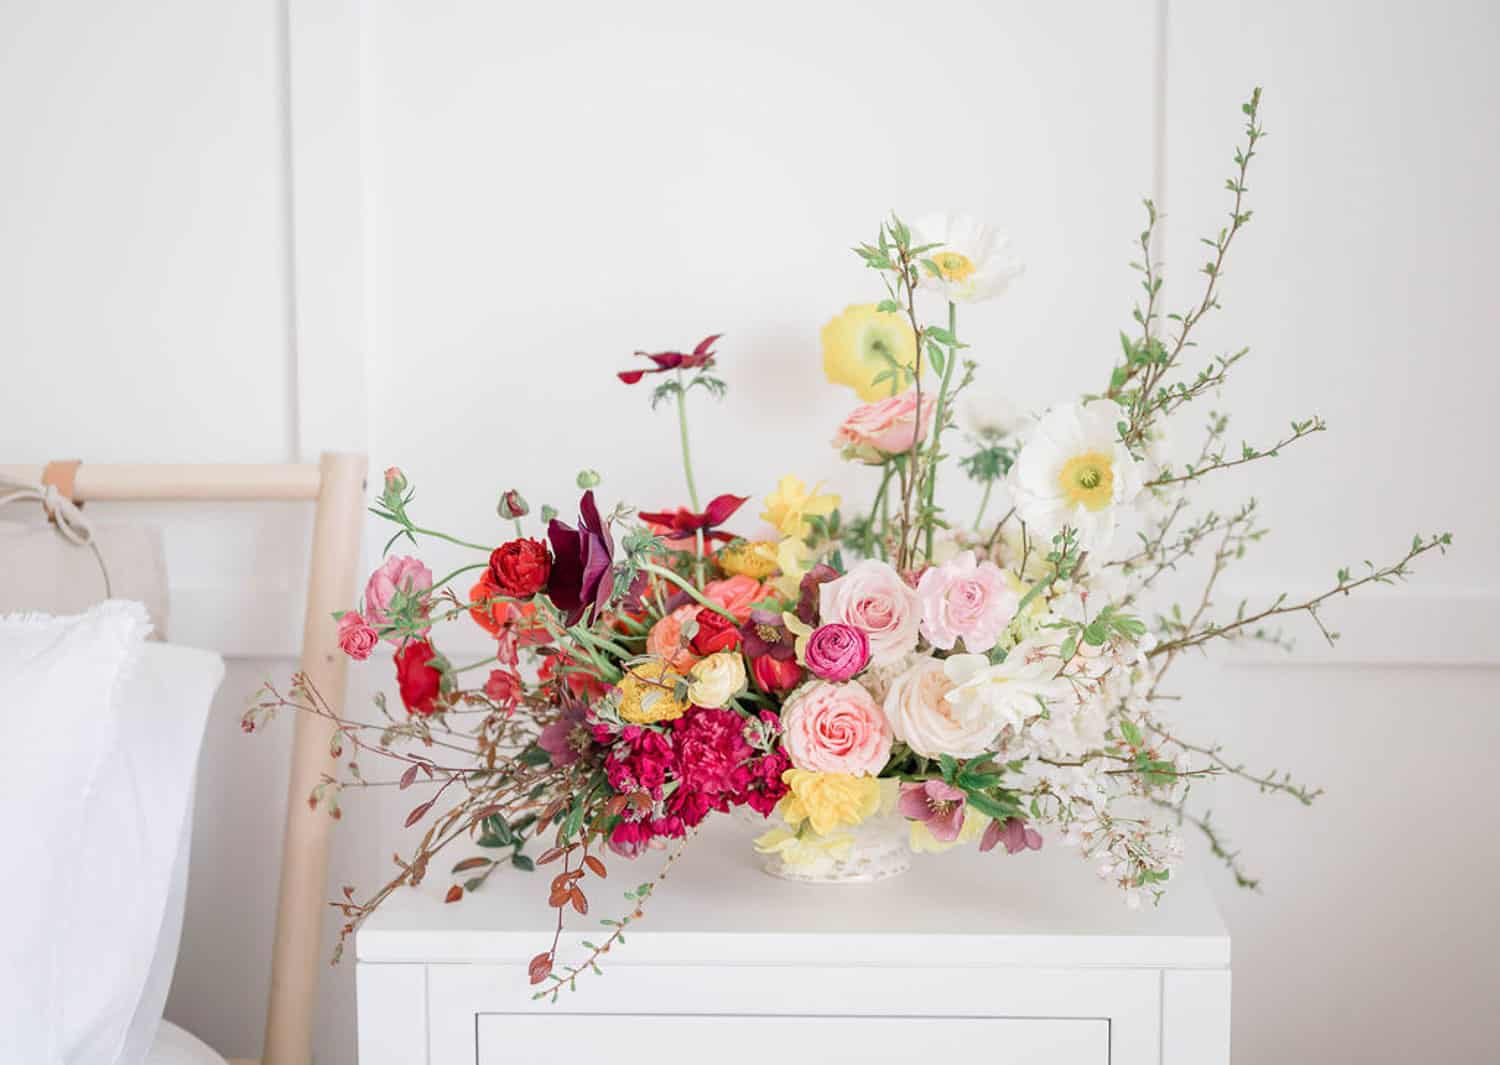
{"x":236,"y":232}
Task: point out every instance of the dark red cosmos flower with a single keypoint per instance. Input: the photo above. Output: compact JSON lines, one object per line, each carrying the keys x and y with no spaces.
{"x":520,"y":568}
{"x":420,"y":682}
{"x":582,"y":560}
{"x":702,"y":355}
{"x":684,"y":524}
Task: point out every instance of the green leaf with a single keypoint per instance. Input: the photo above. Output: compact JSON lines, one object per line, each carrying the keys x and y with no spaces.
{"x":949,"y":766}
{"x":522,"y":862}
{"x":993,"y":807}
{"x":1131,"y":733}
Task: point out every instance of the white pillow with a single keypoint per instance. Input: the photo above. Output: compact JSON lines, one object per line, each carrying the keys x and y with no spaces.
{"x":59,"y":690}
{"x":133,"y":839}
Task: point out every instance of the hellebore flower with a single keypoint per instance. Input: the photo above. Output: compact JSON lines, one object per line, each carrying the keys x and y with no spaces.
{"x":683,"y":524}
{"x":938,"y":805}
{"x":1014,"y":833}
{"x":580,"y":582}
{"x":702,"y":355}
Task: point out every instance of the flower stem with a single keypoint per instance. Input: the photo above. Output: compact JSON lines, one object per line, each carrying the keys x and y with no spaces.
{"x":672,"y":578}
{"x":687,"y":451}
{"x":937,"y":427}
{"x":984,"y":501}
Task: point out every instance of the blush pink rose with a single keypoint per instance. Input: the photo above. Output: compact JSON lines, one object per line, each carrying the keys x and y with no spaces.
{"x":356,"y":638}
{"x":399,"y":573}
{"x":665,"y":638}
{"x":875,"y":600}
{"x":886,"y":427}
{"x":836,"y":728}
{"x":737,"y":594}
{"x":966,"y":599}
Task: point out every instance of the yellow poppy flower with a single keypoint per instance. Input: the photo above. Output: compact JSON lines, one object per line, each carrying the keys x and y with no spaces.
{"x":861,"y":344}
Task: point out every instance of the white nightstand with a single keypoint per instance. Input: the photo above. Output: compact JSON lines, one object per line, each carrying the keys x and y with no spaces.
{"x":975,"y":957}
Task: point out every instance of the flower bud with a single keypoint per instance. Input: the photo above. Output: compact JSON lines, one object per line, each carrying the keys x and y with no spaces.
{"x":512,"y":505}
{"x":588,"y":479}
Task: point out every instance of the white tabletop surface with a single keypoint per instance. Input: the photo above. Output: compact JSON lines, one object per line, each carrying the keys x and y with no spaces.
{"x":718,"y":907}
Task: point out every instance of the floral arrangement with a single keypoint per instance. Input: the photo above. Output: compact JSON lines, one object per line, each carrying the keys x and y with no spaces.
{"x":989,"y":683}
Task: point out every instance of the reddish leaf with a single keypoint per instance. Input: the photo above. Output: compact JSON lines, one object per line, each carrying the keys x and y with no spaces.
{"x":409,"y":776}
{"x":540,"y":968}
{"x":419,"y":813}
{"x":471,"y":863}
{"x":580,"y":903}
{"x":597,"y":866}
{"x":550,"y":856}
{"x":454,"y":894}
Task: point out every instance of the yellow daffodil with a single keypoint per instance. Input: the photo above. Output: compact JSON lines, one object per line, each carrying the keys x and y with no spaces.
{"x":648,"y":694}
{"x":806,"y":849}
{"x":861,"y":344}
{"x":793,"y":561}
{"x":828,"y":800}
{"x":789,"y":507}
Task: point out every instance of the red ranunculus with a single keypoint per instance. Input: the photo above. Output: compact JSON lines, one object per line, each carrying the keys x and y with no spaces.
{"x":520,"y":568}
{"x":776,"y":675}
{"x":715,"y":633}
{"x":420,"y":682}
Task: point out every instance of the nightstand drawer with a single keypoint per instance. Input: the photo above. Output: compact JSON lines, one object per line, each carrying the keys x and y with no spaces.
{"x":740,"y":1039}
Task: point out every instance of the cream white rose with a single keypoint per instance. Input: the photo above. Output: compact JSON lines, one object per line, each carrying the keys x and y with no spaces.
{"x":925,"y":721}
{"x":714,"y":680}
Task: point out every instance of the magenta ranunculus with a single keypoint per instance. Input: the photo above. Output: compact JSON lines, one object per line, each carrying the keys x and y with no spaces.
{"x":837,"y":651}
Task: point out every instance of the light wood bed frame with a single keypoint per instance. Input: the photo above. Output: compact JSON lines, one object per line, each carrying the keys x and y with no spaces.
{"x":337,"y":486}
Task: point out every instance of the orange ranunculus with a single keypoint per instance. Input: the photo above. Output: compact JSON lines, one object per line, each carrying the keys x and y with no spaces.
{"x":665,"y":638}
{"x":502,"y":616}
{"x":738,"y":594}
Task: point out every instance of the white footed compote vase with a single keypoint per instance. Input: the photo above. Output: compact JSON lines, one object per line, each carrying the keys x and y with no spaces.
{"x":875,"y":849}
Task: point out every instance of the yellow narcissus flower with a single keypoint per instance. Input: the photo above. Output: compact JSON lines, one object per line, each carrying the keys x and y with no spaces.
{"x":716,"y":679}
{"x":789,"y":507}
{"x":828,"y":800}
{"x":749,"y":558}
{"x":792,"y":561}
{"x":863,"y":343}
{"x":799,"y":850}
{"x":648,"y":694}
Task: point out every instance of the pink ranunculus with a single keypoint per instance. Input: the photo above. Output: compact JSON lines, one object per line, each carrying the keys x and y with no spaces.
{"x":966,"y":599}
{"x":399,"y":573}
{"x":356,"y":638}
{"x":886,"y":427}
{"x":837,"y":651}
{"x":737,"y":594}
{"x":875,"y":600}
{"x":836,"y":728}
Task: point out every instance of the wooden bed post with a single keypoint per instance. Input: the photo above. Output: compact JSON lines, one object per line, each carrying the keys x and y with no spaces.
{"x":298,"y":950}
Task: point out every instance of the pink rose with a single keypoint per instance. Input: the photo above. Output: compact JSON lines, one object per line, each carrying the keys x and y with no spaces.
{"x":966,"y":599}
{"x":397,"y":574}
{"x":875,"y":600}
{"x":886,"y":427}
{"x":737,"y":594}
{"x":836,"y":728}
{"x":356,"y":638}
{"x":837,"y":651}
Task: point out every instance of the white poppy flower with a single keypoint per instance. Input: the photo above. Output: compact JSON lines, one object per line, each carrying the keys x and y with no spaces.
{"x":974,"y":262}
{"x":1073,"y":471}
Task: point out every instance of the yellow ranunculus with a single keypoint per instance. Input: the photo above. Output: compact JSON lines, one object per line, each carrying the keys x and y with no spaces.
{"x":828,"y":800}
{"x":648,"y":694}
{"x":789,"y":507}
{"x":749,"y":558}
{"x":863,"y":343}
{"x":714,"y":680}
